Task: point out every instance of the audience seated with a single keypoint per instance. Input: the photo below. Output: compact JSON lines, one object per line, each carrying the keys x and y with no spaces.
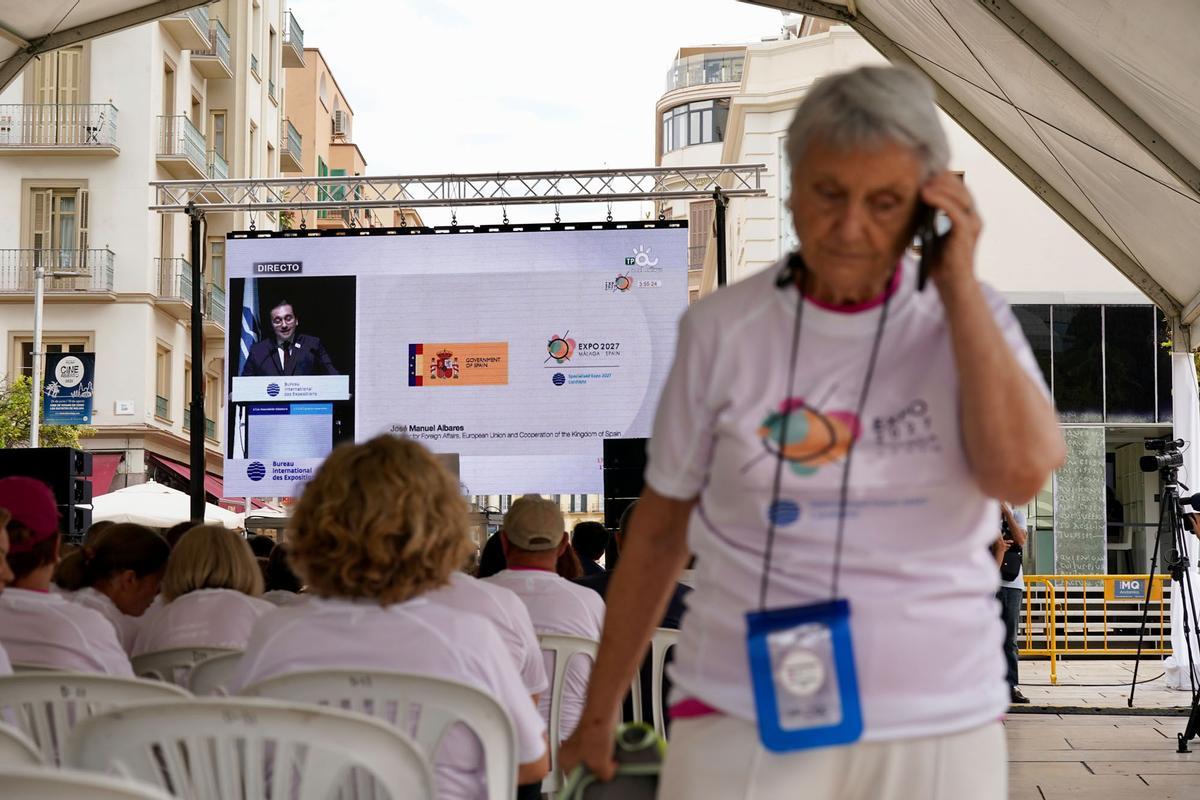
{"x":36,"y":627}
{"x":261,"y":546}
{"x":174,"y":533}
{"x":491,"y":558}
{"x":94,"y":531}
{"x":210,"y":594}
{"x":283,"y":586}
{"x":589,"y":540}
{"x":534,"y":538}
{"x":379,"y":526}
{"x":117,"y":576}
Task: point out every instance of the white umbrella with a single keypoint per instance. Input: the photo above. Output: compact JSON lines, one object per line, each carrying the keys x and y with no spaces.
{"x":155,"y":505}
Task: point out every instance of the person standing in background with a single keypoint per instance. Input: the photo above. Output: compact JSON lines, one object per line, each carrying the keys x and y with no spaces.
{"x":1009,"y":549}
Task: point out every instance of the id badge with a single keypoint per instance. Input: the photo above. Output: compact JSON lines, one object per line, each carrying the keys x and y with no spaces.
{"x":802,"y":669}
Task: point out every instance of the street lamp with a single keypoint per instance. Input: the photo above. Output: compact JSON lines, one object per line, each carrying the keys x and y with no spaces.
{"x":39,"y":295}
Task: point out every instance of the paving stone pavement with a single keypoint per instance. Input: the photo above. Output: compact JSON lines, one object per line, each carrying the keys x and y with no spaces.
{"x":1084,"y":752}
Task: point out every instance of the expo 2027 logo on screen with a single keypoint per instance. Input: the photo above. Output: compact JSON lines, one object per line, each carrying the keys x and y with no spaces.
{"x":621,"y":283}
{"x":255,"y":471}
{"x":560,"y":348}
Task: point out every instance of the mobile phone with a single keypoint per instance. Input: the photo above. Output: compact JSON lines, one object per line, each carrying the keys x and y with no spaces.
{"x":925,"y":229}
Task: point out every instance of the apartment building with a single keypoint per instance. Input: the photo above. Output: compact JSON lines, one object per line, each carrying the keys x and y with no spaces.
{"x":83,"y":131}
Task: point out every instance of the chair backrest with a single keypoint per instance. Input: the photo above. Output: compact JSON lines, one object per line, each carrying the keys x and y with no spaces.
{"x":250,"y":749}
{"x":564,"y":649}
{"x":391,"y":696}
{"x":212,"y":675}
{"x":21,"y":669}
{"x":175,"y":665}
{"x":16,"y":750}
{"x":47,"y":705}
{"x":661,"y":643}
{"x":52,"y":783}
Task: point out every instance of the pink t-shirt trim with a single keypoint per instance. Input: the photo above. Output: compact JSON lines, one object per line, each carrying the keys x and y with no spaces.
{"x":866,"y":305}
{"x":690,"y":708}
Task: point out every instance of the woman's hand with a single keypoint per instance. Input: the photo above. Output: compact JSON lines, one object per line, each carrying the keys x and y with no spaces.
{"x":947,"y":192}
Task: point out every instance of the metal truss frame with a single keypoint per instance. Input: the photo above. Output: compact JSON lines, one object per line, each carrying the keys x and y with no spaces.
{"x":450,"y":190}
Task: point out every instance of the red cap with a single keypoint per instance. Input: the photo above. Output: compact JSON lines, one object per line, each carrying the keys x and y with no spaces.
{"x":32,"y":504}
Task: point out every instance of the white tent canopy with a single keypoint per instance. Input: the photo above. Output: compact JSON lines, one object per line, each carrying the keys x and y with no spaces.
{"x":30,"y":27}
{"x":1094,"y":105}
{"x":157,"y":506}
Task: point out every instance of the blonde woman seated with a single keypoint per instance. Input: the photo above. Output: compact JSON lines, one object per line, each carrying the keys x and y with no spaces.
{"x":378,"y":526}
{"x":211,"y":594}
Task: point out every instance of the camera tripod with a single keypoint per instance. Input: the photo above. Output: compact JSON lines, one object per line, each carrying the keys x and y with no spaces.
{"x":1170,"y":522}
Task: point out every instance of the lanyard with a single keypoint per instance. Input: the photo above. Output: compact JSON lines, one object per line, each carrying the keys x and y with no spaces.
{"x":797,"y":268}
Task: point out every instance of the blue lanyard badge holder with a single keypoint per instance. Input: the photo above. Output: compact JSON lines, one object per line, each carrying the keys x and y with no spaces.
{"x":802,"y":657}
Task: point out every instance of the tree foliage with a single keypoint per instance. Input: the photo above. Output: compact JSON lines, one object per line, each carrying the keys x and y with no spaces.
{"x":14,"y":420}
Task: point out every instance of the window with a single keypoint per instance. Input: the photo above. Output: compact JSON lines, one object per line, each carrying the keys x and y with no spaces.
{"x":701,"y":122}
{"x":1078,"y":363}
{"x":1165,"y":408}
{"x":168,"y":94}
{"x":271,"y":42}
{"x":1035,"y":324}
{"x":58,"y":222}
{"x":162,"y":383}
{"x":272,"y":162}
{"x":323,"y":91}
{"x":253,"y":150}
{"x":700,"y":231}
{"x":212,"y":405}
{"x":1129,"y":363}
{"x":216,"y":133}
{"x":216,"y":261}
{"x":50,"y":344}
{"x":58,"y":77}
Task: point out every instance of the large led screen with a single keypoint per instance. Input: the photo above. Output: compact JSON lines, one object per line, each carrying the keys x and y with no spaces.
{"x":518,"y":350}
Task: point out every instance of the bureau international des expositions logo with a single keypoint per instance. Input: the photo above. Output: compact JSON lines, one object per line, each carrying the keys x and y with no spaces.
{"x":273,"y":389}
{"x":560,"y":348}
{"x":255,"y":471}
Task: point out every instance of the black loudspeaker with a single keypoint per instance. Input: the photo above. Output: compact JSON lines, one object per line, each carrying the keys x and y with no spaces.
{"x":66,"y":471}
{"x":624,"y":471}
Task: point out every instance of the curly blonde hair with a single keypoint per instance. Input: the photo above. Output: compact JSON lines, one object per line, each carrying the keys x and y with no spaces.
{"x":382,"y":520}
{"x":211,"y":557}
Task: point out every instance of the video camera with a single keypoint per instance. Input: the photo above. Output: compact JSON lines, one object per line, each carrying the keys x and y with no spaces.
{"x":1166,"y":454}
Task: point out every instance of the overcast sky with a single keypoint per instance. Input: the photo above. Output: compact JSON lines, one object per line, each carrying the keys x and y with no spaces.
{"x":486,"y":86}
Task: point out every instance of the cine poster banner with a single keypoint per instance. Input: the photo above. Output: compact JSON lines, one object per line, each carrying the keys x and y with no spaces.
{"x":68,"y":389}
{"x":518,"y":351}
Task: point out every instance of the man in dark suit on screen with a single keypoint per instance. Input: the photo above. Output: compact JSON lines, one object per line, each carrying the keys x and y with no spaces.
{"x":287,"y":352}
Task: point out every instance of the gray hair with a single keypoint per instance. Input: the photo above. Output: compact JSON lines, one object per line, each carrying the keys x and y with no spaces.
{"x":868,"y":106}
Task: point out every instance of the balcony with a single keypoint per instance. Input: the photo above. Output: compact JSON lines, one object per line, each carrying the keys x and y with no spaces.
{"x":293,"y":43}
{"x":213,"y":61}
{"x":214,"y":309}
{"x":181,"y":148}
{"x":190,"y":28}
{"x":291,"y":154}
{"x":175,"y":286}
{"x":92,"y":271}
{"x":706,"y":68}
{"x":58,"y":130}
{"x":210,"y":425}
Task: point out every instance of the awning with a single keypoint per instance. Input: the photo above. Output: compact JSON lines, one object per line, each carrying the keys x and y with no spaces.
{"x":104,"y":469}
{"x":213,"y":485}
{"x":1093,"y":105}
{"x":28,"y":28}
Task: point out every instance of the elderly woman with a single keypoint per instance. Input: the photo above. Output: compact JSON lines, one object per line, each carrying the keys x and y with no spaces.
{"x":831,"y":443}
{"x":378,"y":527}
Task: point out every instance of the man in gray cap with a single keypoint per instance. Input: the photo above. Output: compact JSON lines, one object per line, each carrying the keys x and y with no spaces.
{"x":534,"y":536}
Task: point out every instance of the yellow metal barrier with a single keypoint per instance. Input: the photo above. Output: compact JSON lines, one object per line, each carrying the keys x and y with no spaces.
{"x":1068,"y":606}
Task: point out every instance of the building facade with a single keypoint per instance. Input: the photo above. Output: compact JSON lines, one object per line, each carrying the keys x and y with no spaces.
{"x":83,"y":131}
{"x":1097,"y":338}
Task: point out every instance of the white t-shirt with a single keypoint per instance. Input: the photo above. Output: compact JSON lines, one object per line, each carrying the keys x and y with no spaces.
{"x":5,"y":665}
{"x":282,"y":597}
{"x":416,"y":636}
{"x":48,"y":630}
{"x":556,"y":605}
{"x":915,"y":567}
{"x":126,"y":626}
{"x":506,"y":611}
{"x":202,"y":618}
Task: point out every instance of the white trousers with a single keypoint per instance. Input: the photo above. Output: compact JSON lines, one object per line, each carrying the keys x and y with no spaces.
{"x":720,"y":757}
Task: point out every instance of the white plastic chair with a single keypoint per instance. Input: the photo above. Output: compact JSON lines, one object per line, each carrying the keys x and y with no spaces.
{"x":251,"y":749}
{"x":660,"y":644}
{"x":47,"y":705}
{"x":21,"y":669}
{"x":54,"y":783}
{"x":175,"y":665}
{"x":391,"y":696}
{"x":16,"y":750}
{"x":211,"y":676}
{"x":564,"y":649}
